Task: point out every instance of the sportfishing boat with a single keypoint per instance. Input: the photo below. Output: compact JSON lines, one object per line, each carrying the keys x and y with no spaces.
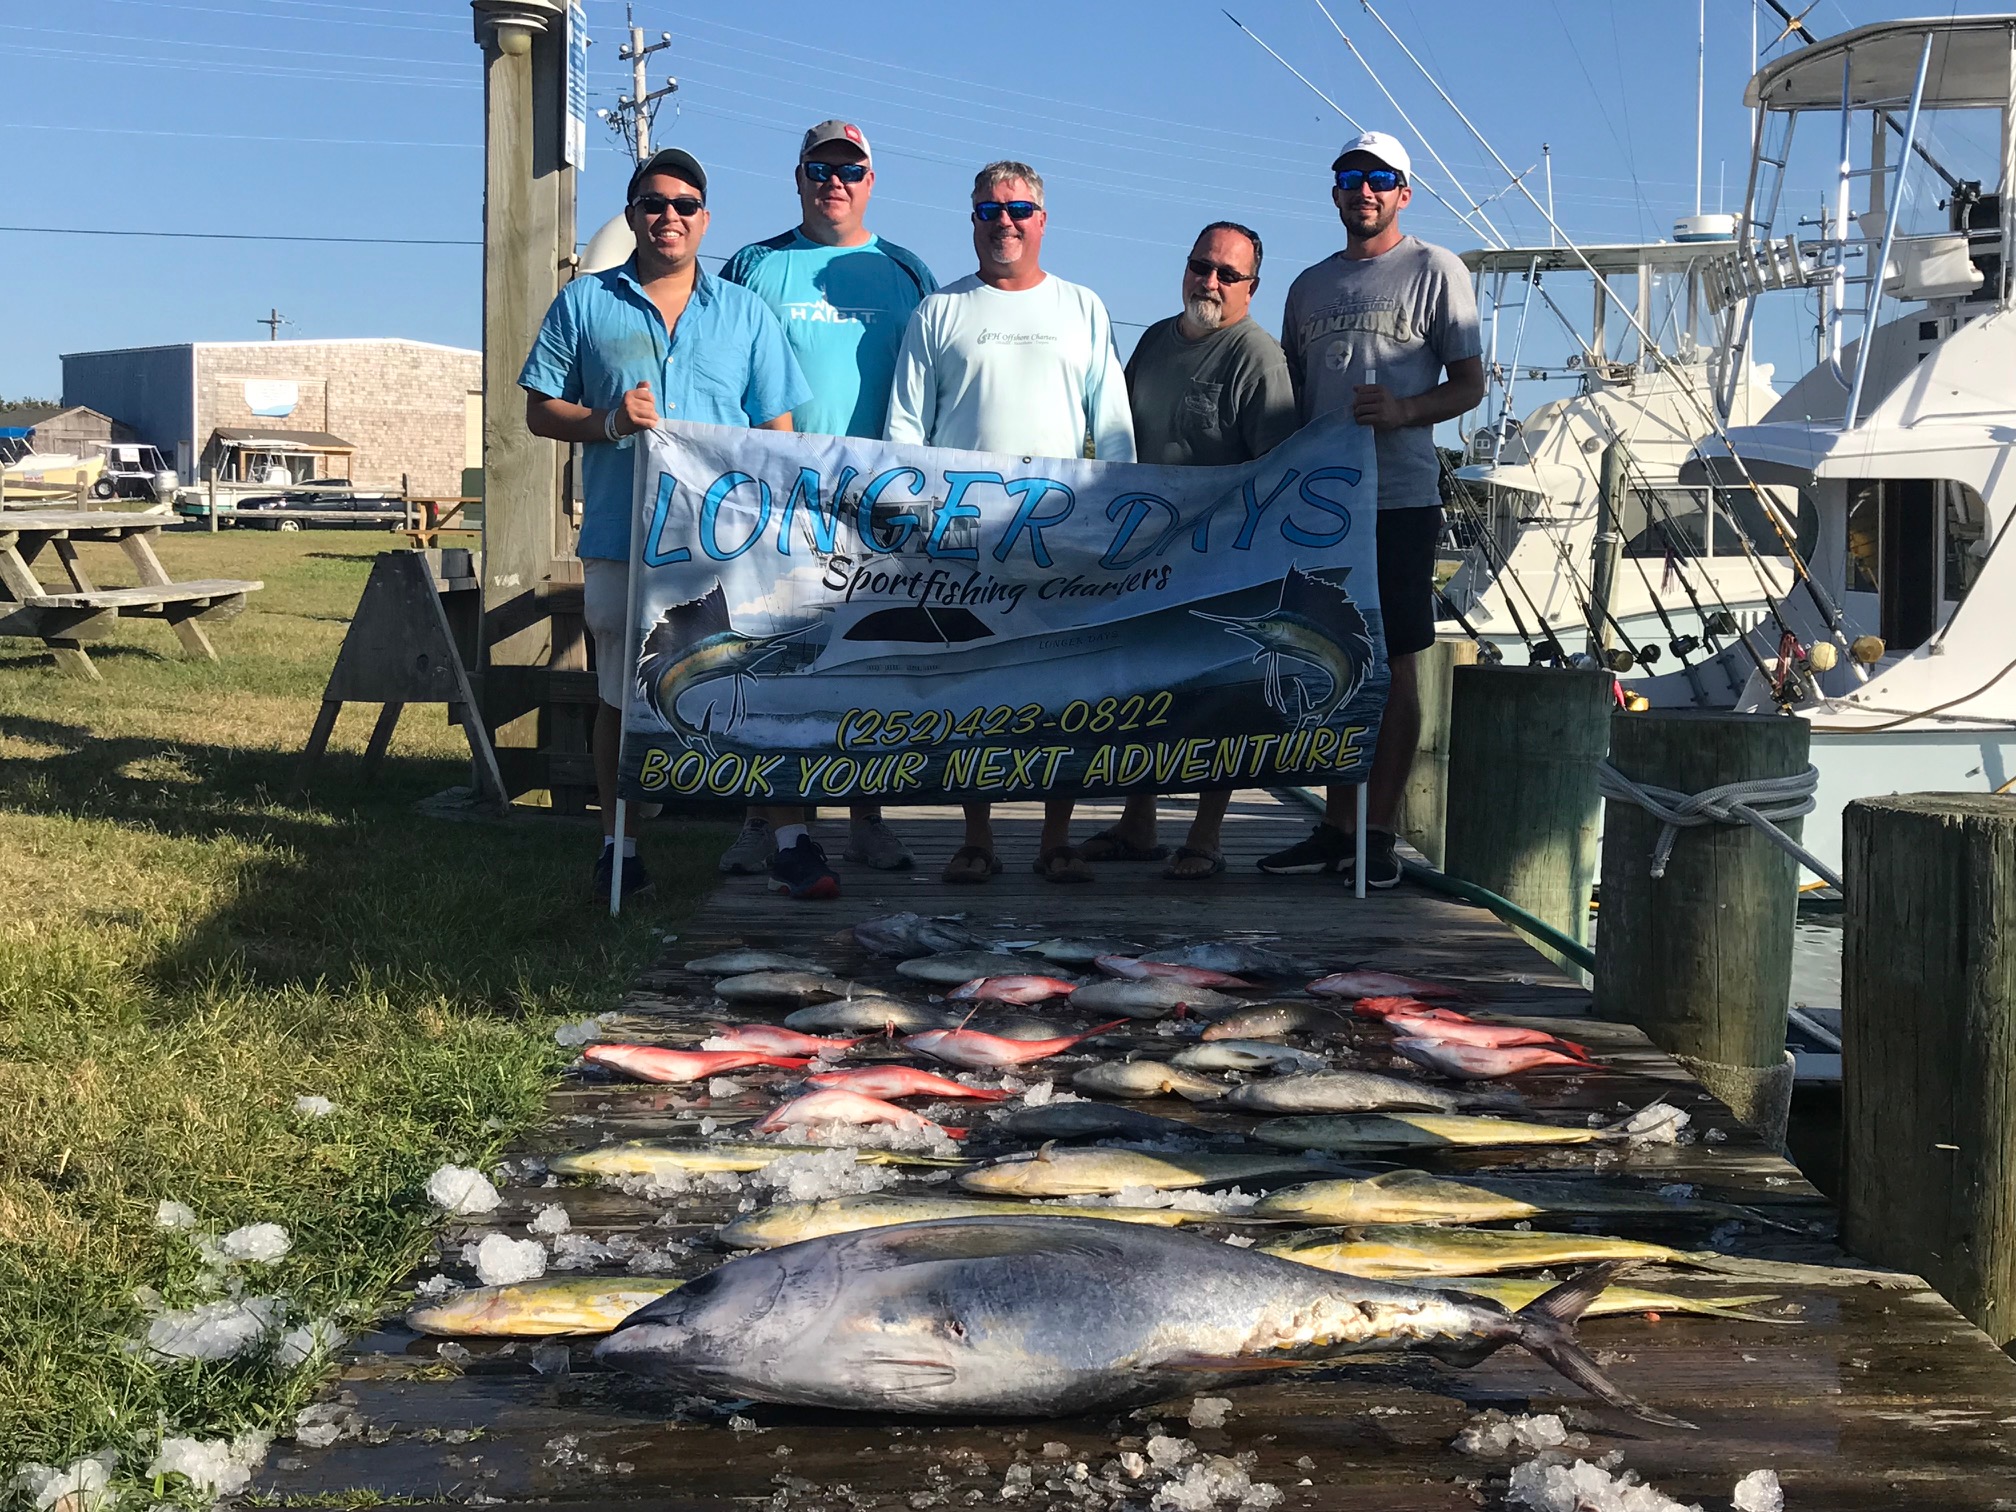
{"x":1899,"y":635}
{"x":1528,"y":516}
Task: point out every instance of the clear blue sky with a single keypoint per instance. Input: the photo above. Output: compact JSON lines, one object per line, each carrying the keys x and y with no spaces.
{"x":1147,"y":118}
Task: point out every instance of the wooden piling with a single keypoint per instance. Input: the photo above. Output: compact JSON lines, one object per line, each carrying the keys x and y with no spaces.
{"x":1524,"y":743}
{"x":1928,"y":1055}
{"x":1701,"y":958}
{"x":1424,"y":801}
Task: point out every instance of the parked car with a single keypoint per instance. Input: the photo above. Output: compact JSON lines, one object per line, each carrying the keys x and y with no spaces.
{"x":337,"y":503}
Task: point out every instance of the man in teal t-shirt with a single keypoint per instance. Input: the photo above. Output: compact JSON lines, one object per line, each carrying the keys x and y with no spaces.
{"x":844,"y":297}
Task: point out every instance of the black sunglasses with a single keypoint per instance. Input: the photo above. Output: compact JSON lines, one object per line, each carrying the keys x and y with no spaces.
{"x":1202,"y":269}
{"x":1018,"y":210}
{"x":847,"y":173}
{"x":684,"y":205}
{"x":1381,"y":180}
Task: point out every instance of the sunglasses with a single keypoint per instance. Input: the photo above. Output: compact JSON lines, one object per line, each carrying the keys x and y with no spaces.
{"x":847,"y":173}
{"x":1379,"y":180}
{"x":1018,"y":210}
{"x":684,"y":205}
{"x":1199,"y":268}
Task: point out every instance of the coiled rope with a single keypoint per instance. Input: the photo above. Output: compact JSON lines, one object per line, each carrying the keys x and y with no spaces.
{"x":1759,"y":803}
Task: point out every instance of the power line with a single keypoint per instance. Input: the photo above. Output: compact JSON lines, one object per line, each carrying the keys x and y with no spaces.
{"x":248,"y":236}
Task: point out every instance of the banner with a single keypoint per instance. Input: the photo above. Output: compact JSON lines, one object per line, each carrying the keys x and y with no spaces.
{"x":824,"y":619}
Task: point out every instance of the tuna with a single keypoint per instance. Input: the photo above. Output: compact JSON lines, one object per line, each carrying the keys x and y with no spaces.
{"x":1045,"y":1316}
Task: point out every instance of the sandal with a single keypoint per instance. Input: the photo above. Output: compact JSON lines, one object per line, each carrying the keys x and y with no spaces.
{"x":1111,"y":845}
{"x":1192,"y":853}
{"x":1062,"y":863}
{"x":971,"y":864}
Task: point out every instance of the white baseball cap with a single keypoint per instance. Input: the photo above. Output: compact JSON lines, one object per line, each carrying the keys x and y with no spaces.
{"x":1382,"y":145}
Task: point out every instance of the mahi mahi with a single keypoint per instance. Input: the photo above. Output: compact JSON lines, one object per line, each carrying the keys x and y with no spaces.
{"x":1417,"y":1131}
{"x":1512,"y":1292}
{"x":550,"y":1307}
{"x":1417,"y":1197}
{"x":1419,"y":1249}
{"x":1101,"y":1170}
{"x":792,"y":1222}
{"x":1038,"y":1316}
{"x":651,"y":1157}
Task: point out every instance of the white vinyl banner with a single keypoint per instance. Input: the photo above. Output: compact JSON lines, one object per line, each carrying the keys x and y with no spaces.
{"x":821,"y":619}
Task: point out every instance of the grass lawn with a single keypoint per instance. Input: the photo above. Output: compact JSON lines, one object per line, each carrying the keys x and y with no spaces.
{"x":187,"y":948}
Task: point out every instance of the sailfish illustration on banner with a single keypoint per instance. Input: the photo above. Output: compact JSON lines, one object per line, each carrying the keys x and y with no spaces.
{"x":695,"y":643}
{"x":1317,"y":624}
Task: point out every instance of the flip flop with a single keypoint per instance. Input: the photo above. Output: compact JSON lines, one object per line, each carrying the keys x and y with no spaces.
{"x":1111,"y":845}
{"x":971,"y":864}
{"x":1192,"y":853}
{"x":1062,"y":863}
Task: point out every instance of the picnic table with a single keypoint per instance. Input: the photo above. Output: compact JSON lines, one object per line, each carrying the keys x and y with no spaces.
{"x":65,"y":615}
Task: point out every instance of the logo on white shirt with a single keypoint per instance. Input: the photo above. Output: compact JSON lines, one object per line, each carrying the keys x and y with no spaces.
{"x":1015,"y":338}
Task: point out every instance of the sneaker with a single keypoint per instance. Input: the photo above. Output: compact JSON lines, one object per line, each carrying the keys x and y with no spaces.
{"x":874,"y":844}
{"x":636,"y":880}
{"x":802,"y":872}
{"x":1382,"y":866}
{"x":1328,"y":849}
{"x":752,"y":849}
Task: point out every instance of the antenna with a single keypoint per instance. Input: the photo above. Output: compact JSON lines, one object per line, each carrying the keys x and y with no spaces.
{"x":1547,"y":157}
{"x":1700,"y":95}
{"x":273,"y":320}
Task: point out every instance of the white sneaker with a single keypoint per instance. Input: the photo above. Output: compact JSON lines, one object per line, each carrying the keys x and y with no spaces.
{"x":875,"y":844}
{"x":752,"y":850}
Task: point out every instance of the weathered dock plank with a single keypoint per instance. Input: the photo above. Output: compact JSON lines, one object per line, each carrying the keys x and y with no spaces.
{"x":1870,"y":1393}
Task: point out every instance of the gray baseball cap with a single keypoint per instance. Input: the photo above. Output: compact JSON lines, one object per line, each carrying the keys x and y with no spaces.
{"x":835,"y":131}
{"x":674,"y":160}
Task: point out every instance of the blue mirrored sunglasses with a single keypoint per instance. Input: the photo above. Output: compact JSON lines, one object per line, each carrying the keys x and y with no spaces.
{"x":1380,"y":180}
{"x":847,"y":173}
{"x":1018,"y":210}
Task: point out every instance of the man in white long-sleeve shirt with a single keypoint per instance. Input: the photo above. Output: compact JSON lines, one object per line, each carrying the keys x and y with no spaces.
{"x":1012,"y":359}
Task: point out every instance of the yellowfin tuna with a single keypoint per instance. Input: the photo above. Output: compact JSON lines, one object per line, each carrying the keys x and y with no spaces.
{"x":1514,"y":1292}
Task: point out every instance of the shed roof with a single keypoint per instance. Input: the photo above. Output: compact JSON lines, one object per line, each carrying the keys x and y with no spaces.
{"x":281,"y":440}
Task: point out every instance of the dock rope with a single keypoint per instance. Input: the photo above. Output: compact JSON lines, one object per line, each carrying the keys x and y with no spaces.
{"x":1759,"y":803}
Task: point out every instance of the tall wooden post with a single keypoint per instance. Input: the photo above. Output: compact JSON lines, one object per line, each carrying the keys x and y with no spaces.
{"x":1524,"y":743}
{"x":1928,"y":1053}
{"x":528,"y":247}
{"x":1424,"y":801}
{"x":1608,"y":546}
{"x":1701,"y":957}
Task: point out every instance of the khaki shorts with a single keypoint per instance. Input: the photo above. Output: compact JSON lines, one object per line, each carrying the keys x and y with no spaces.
{"x":605,"y":600}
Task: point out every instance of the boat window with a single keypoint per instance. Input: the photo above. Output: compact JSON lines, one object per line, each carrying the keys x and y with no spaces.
{"x":1966,"y":519}
{"x":1918,"y":545}
{"x":1660,"y":522}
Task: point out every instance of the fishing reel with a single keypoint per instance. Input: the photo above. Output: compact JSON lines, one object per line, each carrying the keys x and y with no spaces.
{"x":1684,"y":646}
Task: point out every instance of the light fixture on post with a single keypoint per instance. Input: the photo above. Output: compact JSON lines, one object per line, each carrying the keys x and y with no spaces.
{"x":512,"y":24}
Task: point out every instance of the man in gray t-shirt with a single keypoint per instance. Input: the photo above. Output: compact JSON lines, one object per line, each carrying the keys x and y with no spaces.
{"x":1372,"y":329}
{"x":1209,"y":388}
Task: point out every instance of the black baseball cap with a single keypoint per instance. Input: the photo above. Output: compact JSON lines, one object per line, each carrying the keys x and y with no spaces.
{"x":673,"y":160}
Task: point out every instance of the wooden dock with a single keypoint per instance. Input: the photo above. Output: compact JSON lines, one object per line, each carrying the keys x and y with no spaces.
{"x":1870,"y":1393}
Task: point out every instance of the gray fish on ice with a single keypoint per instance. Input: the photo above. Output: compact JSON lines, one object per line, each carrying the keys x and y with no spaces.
{"x":1274,"y":1020}
{"x":1148,"y":1078}
{"x":782,"y":987}
{"x":1076,"y":952}
{"x":1247,"y":1055}
{"x":1091,"y":1120}
{"x":951,"y":968}
{"x":1054,"y":1317}
{"x":868,"y":1015}
{"x":1148,"y":997}
{"x":742,"y":962}
{"x":909,"y":934}
{"x":1355,"y":1092}
{"x":1230,"y":956}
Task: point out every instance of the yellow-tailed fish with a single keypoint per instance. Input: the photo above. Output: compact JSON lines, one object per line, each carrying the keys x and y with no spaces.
{"x":1415,"y":1131}
{"x":647,"y":1157}
{"x":1406,"y":1250}
{"x":1417,"y":1197}
{"x":789,"y":1222}
{"x":1514,"y":1292}
{"x":1095,"y":1170}
{"x":549,"y":1307}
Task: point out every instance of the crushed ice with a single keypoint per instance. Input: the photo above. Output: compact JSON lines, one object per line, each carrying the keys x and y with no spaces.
{"x":1759,"y":1491}
{"x":461,"y":1191}
{"x":500,"y":1260}
{"x":261,"y":1242}
{"x":1492,"y":1432}
{"x":550,"y":1219}
{"x":310,"y":1106}
{"x":1657,"y":1123}
{"x":174,"y":1215}
{"x":315,"y":1340}
{"x":215,"y":1467}
{"x":77,"y":1487}
{"x":215,"y":1330}
{"x":582,"y":1031}
{"x":1546,"y":1485}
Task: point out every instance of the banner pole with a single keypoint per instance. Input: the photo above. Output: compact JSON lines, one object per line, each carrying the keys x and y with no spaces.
{"x":1358,"y":872}
{"x":616,"y":863}
{"x":630,"y":638}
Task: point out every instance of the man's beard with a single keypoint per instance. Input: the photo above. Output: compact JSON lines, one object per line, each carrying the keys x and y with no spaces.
{"x":1205,"y":314}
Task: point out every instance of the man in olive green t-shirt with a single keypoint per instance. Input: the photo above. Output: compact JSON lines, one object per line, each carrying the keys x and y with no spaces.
{"x":1209,"y":388}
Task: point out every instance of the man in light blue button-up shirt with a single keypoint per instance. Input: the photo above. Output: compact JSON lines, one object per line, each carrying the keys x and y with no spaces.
{"x":618,"y":351}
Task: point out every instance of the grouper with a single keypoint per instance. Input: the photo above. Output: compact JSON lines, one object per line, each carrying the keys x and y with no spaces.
{"x":1044,"y":1316}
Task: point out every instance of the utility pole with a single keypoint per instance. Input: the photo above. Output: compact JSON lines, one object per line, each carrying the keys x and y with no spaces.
{"x":273,"y":320}
{"x":635,"y":111}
